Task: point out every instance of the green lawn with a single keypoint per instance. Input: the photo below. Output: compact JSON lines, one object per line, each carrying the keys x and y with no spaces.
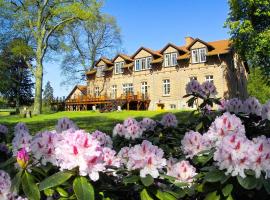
{"x":87,"y":120}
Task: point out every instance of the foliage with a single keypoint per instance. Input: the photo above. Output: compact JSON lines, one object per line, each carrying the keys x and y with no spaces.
{"x":249,"y":23}
{"x":257,"y":85}
{"x":86,"y":42}
{"x":48,"y":93}
{"x":16,"y":85}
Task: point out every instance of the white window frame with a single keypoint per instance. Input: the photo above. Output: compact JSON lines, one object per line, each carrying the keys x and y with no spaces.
{"x":166,"y":87}
{"x":96,"y":91}
{"x":198,"y":55}
{"x":114,"y":91}
{"x":148,"y":63}
{"x":144,"y":88}
{"x":118,"y":67}
{"x":173,"y":59}
{"x":170,"y":59}
{"x":209,"y":78}
{"x":167,"y":60}
{"x":172,"y":106}
{"x":128,"y":88}
{"x":100,"y":71}
{"x":142,"y":64}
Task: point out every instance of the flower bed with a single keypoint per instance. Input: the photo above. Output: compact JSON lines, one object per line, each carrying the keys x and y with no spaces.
{"x":222,"y":154}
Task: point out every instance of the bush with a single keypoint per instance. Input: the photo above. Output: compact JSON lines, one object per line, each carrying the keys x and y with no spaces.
{"x":222,"y":154}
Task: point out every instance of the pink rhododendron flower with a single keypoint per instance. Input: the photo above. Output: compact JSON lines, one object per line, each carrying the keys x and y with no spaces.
{"x":43,"y":146}
{"x":233,"y":153}
{"x":104,"y":139}
{"x":120,"y":130}
{"x":80,"y":149}
{"x":208,"y":89}
{"x":22,"y":158}
{"x":183,"y":171}
{"x":252,"y":106}
{"x":193,"y":143}
{"x":21,"y":140}
{"x":147,"y":158}
{"x":123,"y":155}
{"x":133,"y":131}
{"x":20,"y":127}
{"x":110,"y":158}
{"x":266,"y":111}
{"x":3,"y":129}
{"x":148,"y":124}
{"x":169,"y":120}
{"x":222,"y":126}
{"x":129,"y":121}
{"x":65,"y":124}
{"x":193,"y":87}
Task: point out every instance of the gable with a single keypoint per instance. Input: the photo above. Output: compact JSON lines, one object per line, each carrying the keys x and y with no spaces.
{"x":119,"y":59}
{"x":100,"y":63}
{"x":141,"y":54}
{"x":170,"y":49}
{"x":197,"y":45}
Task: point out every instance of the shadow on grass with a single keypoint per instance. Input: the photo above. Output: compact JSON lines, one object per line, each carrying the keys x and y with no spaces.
{"x":91,"y":123}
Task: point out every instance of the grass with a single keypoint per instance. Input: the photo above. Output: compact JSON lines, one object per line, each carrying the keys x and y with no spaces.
{"x":88,"y":120}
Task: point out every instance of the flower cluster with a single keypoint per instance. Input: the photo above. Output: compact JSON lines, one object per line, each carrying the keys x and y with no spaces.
{"x":3,"y":130}
{"x":183,"y":171}
{"x":22,"y":138}
{"x":205,"y":89}
{"x":64,"y":124}
{"x":103,"y":138}
{"x":248,"y":106}
{"x":132,"y":129}
{"x":169,"y":120}
{"x":145,"y":157}
{"x":5,"y":188}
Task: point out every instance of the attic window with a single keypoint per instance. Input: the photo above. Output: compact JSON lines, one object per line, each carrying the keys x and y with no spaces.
{"x":100,"y":70}
{"x":118,"y":67}
{"x":170,"y":59}
{"x":198,"y":55}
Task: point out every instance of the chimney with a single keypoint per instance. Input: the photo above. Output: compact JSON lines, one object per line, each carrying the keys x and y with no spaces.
{"x":188,"y":40}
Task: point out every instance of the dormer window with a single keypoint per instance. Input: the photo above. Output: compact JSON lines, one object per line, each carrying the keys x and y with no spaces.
{"x":100,"y":70}
{"x":143,"y":63}
{"x":118,"y":67}
{"x":198,"y":55}
{"x":170,"y":59}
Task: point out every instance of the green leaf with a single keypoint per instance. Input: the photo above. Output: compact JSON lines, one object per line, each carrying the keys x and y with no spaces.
{"x":7,"y":162}
{"x":30,"y":188}
{"x":131,"y":179}
{"x":249,"y":183}
{"x":202,"y":159}
{"x":266,"y":184}
{"x":83,"y":189}
{"x":229,"y":197}
{"x":165,"y":195}
{"x":227,"y":190}
{"x":212,"y":196}
{"x":49,"y":192}
{"x":16,"y":182}
{"x":55,"y":180}
{"x":144,"y":195}
{"x":148,"y":180}
{"x":214,"y":176}
{"x":62,"y":192}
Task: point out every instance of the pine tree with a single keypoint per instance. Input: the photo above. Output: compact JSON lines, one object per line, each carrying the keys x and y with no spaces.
{"x":48,"y":93}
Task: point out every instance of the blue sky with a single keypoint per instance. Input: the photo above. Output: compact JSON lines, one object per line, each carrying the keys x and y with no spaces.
{"x":154,"y":23}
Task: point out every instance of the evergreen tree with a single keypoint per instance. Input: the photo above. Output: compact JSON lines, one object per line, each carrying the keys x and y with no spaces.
{"x":48,"y":93}
{"x":16,"y":79}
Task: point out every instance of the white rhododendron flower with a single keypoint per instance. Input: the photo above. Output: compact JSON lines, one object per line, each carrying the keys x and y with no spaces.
{"x":183,"y":171}
{"x":148,"y":124}
{"x":65,"y":124}
{"x":5,"y":184}
{"x":193,"y":87}
{"x":252,"y":106}
{"x":20,"y":127}
{"x":104,"y":139}
{"x":169,"y":120}
{"x":43,"y":146}
{"x":208,"y":89}
{"x":21,"y":140}
{"x":147,"y":158}
{"x":266,"y":111}
{"x":123,"y":155}
{"x":234,"y":105}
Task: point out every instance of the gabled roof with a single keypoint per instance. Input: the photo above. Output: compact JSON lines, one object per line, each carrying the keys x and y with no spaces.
{"x":220,"y":47}
{"x":105,"y":60}
{"x":154,"y":53}
{"x":201,"y":41}
{"x":182,"y":49}
{"x":93,"y":71}
{"x":82,"y":88}
{"x":125,"y":57}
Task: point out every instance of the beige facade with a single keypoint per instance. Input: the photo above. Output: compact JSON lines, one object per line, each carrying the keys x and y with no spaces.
{"x":163,"y":74}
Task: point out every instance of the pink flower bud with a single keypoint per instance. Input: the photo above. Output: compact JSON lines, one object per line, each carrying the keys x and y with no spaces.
{"x":22,"y":158}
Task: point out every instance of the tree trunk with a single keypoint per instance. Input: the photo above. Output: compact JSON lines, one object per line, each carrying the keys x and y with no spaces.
{"x":38,"y":86}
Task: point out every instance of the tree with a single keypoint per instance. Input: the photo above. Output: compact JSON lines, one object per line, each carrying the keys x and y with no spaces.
{"x":48,"y":93}
{"x":256,"y":79}
{"x":44,"y":21}
{"x":16,"y":84}
{"x":249,"y":23}
{"x":86,"y":43}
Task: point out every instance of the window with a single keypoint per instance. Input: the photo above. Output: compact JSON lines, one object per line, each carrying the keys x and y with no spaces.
{"x":143,"y":63}
{"x":166,"y":87}
{"x":128,"y":88}
{"x":170,"y":59}
{"x":193,"y":78}
{"x":173,"y":106}
{"x":114,"y":91}
{"x":144,"y":89}
{"x":118,"y":67}
{"x":209,"y":78}
{"x":96,"y":91}
{"x":100,"y":71}
{"x":198,"y":55}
